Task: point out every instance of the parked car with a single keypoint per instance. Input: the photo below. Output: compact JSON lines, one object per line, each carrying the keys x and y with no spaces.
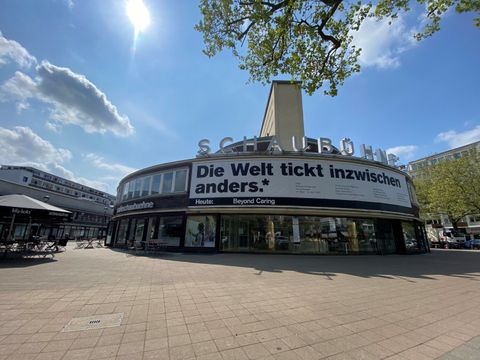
{"x":473,"y":243}
{"x":453,"y":239}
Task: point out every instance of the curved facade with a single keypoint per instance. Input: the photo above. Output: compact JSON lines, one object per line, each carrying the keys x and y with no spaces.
{"x":259,"y":201}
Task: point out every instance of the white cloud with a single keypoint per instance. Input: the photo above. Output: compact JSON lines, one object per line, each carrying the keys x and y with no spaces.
{"x":21,"y":145}
{"x":19,"y":88}
{"x":11,"y":50}
{"x":117,"y":169}
{"x":382,"y":43}
{"x":408,"y":151}
{"x":73,"y":99}
{"x":455,"y":139}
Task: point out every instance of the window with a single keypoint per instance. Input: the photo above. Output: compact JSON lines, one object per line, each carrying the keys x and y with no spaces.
{"x":160,"y":183}
{"x":170,"y":230}
{"x":138,"y":184}
{"x":122,"y":232}
{"x":130,"y":186}
{"x":25,"y":179}
{"x":180,"y":180}
{"x":167,"y":182}
{"x":139,"y":230}
{"x":156,"y":183}
{"x":146,"y":186}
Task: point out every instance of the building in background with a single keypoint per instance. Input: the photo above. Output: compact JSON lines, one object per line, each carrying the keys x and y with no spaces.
{"x":416,"y":168}
{"x":91,"y":208}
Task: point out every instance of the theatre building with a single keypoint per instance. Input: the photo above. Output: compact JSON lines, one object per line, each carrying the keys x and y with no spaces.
{"x":280,"y":192}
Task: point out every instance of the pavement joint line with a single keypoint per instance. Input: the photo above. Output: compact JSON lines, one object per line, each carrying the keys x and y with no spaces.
{"x":374,"y":307}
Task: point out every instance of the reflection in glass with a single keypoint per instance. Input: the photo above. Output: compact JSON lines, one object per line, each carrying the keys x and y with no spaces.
{"x":139,"y":230}
{"x":167,"y":182}
{"x":122,"y":232}
{"x":138,"y":184}
{"x":156,"y":183}
{"x":412,"y":243}
{"x":170,"y":230}
{"x":180,"y":180}
{"x":303,"y":234}
{"x":130,"y":189}
{"x":146,"y":185}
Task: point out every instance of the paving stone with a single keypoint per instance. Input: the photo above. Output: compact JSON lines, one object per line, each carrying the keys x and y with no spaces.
{"x":245,"y":306}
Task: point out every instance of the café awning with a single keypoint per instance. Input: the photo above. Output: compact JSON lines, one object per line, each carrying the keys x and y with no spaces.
{"x":23,"y":206}
{"x":18,"y":207}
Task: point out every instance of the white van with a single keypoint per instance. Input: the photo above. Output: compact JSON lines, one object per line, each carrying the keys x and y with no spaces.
{"x":453,"y":239}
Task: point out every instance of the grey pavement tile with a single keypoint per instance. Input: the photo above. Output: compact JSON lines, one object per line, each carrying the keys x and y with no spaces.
{"x":403,"y":307}
{"x":467,"y":351}
{"x":102,"y":352}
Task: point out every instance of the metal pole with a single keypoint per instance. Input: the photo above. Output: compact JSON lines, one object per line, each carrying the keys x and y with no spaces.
{"x":11,"y":227}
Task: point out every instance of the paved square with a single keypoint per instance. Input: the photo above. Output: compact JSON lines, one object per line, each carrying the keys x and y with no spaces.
{"x":242,"y":306}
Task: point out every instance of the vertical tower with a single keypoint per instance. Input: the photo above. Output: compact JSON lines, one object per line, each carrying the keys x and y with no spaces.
{"x":284,"y":113}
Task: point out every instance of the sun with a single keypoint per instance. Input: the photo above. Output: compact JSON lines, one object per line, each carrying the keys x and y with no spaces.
{"x":138,"y":14}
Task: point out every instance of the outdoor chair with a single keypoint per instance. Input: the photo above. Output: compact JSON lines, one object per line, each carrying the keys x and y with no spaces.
{"x":138,"y":246}
{"x":80,"y":243}
{"x":60,"y":244}
{"x":154,"y":245}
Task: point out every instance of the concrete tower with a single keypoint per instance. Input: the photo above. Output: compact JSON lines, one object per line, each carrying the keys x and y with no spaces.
{"x":284,"y":113}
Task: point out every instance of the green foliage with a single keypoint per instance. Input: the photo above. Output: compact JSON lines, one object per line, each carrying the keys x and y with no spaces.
{"x":451,"y":188}
{"x":309,"y":39}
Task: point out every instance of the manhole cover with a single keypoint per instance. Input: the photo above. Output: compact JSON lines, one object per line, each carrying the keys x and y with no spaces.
{"x":94,"y":322}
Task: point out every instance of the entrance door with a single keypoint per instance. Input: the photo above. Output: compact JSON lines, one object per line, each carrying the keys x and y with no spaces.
{"x":385,"y":237}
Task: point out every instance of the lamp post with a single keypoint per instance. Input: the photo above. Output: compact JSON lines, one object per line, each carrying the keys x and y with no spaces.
{"x":104,"y":232}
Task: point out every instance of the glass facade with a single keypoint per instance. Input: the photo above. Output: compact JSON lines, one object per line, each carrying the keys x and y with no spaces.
{"x":273,"y":234}
{"x":305,"y":234}
{"x":165,"y":229}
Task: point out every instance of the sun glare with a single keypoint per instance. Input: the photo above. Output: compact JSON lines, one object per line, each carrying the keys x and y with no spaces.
{"x":138,"y":14}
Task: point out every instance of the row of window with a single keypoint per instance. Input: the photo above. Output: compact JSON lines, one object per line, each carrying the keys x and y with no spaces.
{"x":72,"y":184}
{"x":167,"y":182}
{"x":90,"y":218}
{"x":167,"y":229}
{"x":431,"y":162}
{"x":446,"y":221}
{"x":24,"y":231}
{"x":65,"y":190}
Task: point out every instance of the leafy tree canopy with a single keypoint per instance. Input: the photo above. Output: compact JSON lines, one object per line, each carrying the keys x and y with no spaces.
{"x":309,"y":39}
{"x":451,"y":188}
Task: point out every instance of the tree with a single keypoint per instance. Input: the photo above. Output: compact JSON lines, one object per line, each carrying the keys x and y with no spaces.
{"x":451,"y":188}
{"x":309,"y":39}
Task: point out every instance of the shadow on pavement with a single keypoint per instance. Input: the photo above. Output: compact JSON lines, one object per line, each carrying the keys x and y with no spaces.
{"x":464,"y":264}
{"x":18,"y":261}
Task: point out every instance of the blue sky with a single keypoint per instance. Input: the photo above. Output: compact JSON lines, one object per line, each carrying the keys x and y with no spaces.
{"x":78,"y":99}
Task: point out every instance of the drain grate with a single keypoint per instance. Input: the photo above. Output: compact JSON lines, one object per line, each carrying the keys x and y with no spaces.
{"x":94,"y":322}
